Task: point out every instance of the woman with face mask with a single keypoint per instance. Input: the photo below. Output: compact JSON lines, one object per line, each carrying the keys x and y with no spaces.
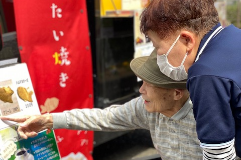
{"x":191,"y":43}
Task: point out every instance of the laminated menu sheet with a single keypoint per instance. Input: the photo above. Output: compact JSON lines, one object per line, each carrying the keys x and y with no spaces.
{"x":17,"y":98}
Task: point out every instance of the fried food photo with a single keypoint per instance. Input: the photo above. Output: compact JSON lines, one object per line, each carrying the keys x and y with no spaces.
{"x":24,"y":94}
{"x":6,"y":94}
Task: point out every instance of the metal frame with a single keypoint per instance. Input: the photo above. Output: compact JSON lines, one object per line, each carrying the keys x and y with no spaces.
{"x":10,"y":48}
{"x":9,"y":36}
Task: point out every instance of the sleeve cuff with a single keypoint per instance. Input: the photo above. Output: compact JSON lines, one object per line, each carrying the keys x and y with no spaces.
{"x":217,"y":146}
{"x":59,"y":121}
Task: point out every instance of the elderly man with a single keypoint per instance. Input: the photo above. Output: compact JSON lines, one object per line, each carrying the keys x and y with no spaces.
{"x":189,"y":39}
{"x":164,"y":108}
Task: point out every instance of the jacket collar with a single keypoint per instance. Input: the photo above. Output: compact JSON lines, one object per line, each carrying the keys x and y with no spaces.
{"x":183,"y":112}
{"x":205,"y":38}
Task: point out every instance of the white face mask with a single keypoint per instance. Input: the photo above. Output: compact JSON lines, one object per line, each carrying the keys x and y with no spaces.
{"x":175,"y":73}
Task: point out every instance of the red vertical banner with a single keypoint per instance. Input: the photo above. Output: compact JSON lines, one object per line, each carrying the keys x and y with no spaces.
{"x":53,"y":39}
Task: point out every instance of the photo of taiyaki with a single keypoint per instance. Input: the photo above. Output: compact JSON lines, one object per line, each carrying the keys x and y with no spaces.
{"x":49,"y":105}
{"x":24,"y":94}
{"x":6,"y":94}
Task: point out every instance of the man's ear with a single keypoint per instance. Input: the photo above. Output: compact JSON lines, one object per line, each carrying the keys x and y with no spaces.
{"x":178,"y":94}
{"x":188,"y":39}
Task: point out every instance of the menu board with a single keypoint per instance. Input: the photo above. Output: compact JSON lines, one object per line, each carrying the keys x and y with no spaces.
{"x":17,"y":98}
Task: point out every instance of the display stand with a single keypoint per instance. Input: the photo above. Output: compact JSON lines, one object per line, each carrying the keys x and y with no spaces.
{"x":17,"y":98}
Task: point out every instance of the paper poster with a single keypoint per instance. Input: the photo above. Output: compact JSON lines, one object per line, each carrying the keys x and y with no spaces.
{"x":134,"y":4}
{"x":17,"y":98}
{"x":41,"y":147}
{"x":16,"y":92}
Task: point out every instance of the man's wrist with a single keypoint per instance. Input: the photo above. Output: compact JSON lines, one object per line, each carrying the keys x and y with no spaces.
{"x":48,"y":121}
